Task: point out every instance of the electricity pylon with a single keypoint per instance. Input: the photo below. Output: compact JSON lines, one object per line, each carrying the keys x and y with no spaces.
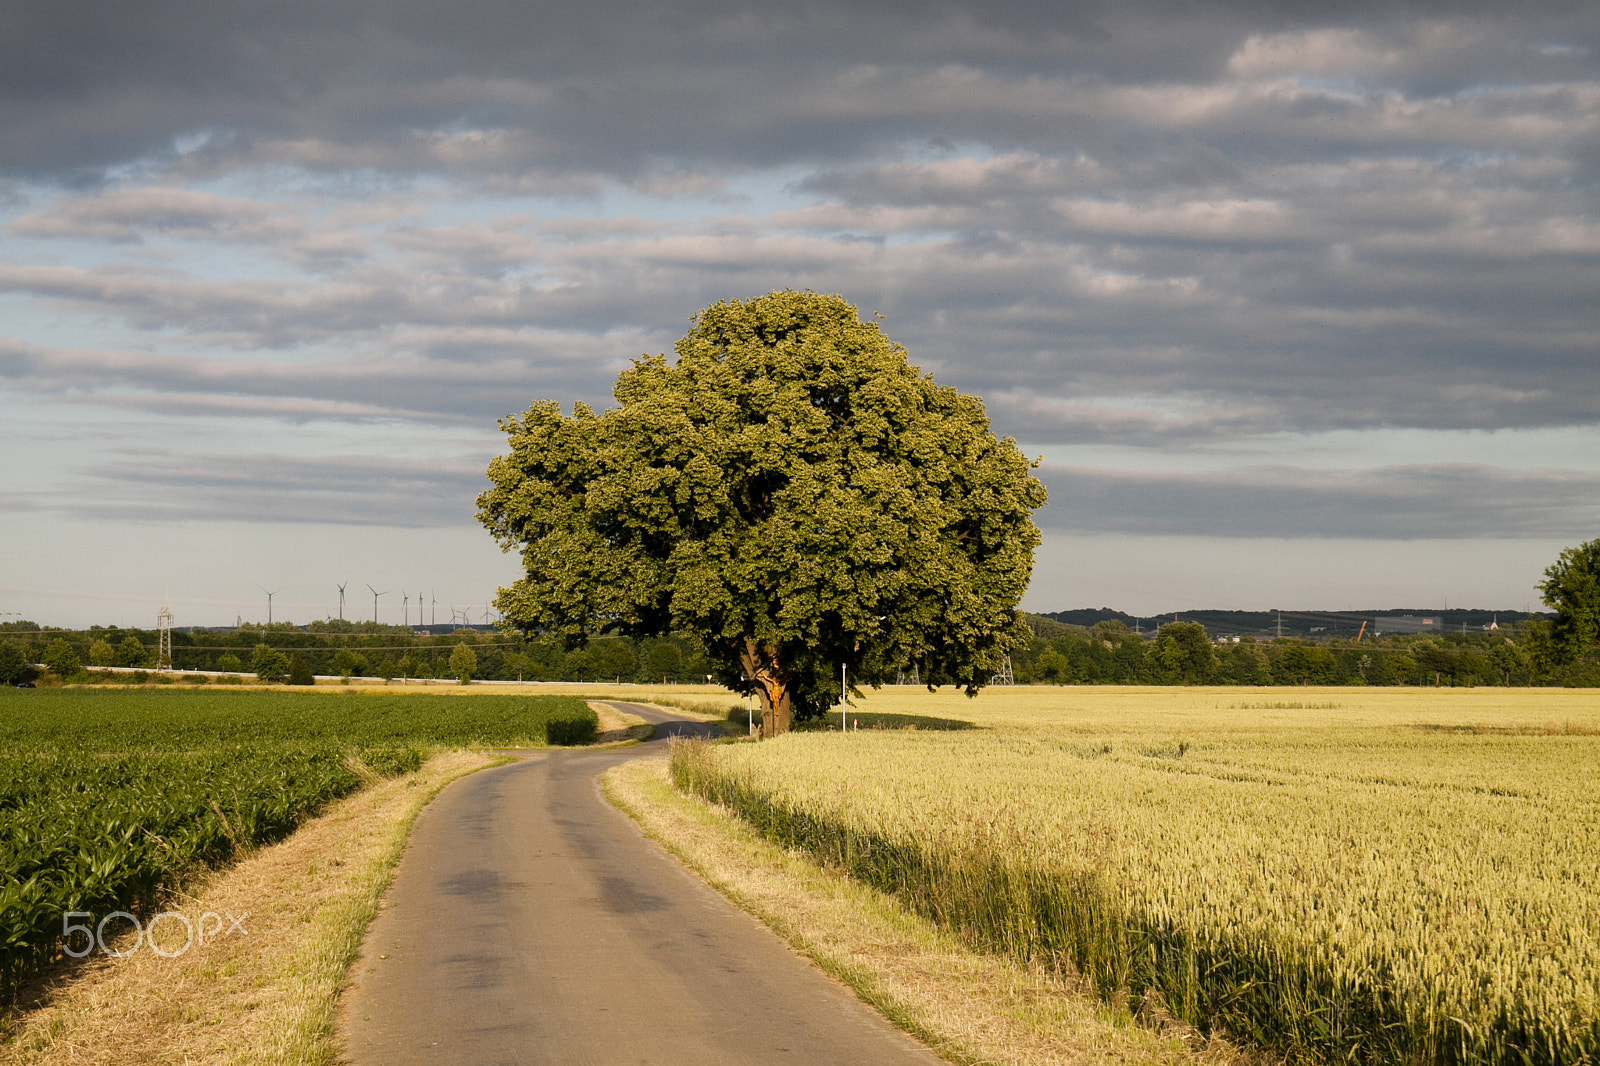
{"x":164,"y":629}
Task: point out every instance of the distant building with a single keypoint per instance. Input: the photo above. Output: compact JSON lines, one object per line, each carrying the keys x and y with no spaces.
{"x":1407,"y":623}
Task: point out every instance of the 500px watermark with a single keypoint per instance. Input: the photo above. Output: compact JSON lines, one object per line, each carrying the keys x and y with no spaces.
{"x":78,"y":940}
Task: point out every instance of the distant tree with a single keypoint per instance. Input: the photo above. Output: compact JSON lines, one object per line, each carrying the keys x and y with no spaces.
{"x":409,"y":666}
{"x":14,"y":666}
{"x":300,"y":671}
{"x":463,"y":660}
{"x":229,"y":663}
{"x":614,"y":660}
{"x":348,"y":663}
{"x":1308,"y":664}
{"x":1185,"y":652}
{"x":1437,"y":663}
{"x":1053,"y":667}
{"x":1471,"y":666}
{"x":269,"y":664}
{"x":1404,"y":668}
{"x":663,"y":662}
{"x":60,"y":659}
{"x":131,"y":652}
{"x":517,"y":666}
{"x":1571,"y":587}
{"x":101,"y":654}
{"x":1509,"y":659}
{"x":792,"y":492}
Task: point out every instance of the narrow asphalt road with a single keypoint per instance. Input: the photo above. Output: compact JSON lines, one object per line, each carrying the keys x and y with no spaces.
{"x":531,"y":922}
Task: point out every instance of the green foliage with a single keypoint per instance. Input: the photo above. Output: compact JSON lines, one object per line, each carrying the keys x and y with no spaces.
{"x":131,"y":652}
{"x":14,"y":666}
{"x":791,"y":491}
{"x":662,"y":662}
{"x":1184,"y":652}
{"x":574,"y":725}
{"x":463,"y":660}
{"x":60,"y":659}
{"x":230,"y":663}
{"x":196,"y":776}
{"x":1404,"y":667}
{"x":1307,"y":664}
{"x":300,"y":671}
{"x":348,"y":663}
{"x":101,"y":654}
{"x":269,"y":664}
{"x":1571,"y":586}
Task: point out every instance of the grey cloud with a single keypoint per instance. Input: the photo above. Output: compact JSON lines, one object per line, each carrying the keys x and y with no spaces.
{"x":1235,"y":309}
{"x":126,"y":215}
{"x":571,"y":92}
{"x":426,"y":387}
{"x":1448,"y":501}
{"x":344,"y":490}
{"x":1181,"y":223}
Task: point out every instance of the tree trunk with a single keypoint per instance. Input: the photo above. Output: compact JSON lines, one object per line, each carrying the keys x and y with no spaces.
{"x":772,"y":686}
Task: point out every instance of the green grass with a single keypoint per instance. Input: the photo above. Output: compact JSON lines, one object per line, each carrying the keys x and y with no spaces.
{"x":122,"y":720}
{"x":108,"y":798}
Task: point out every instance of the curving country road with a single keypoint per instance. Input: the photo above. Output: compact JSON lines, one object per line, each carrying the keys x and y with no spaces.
{"x":531,"y":922}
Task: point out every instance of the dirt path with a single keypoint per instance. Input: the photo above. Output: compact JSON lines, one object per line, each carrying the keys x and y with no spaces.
{"x":531,"y":922}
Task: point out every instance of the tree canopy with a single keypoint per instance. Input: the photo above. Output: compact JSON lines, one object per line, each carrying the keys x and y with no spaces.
{"x":1571,"y":586}
{"x":792,"y":492}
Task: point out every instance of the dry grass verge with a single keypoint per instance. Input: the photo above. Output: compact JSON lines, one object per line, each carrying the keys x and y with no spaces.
{"x":724,"y":713}
{"x":617,"y":727}
{"x":969,"y":1007}
{"x":263,"y":995}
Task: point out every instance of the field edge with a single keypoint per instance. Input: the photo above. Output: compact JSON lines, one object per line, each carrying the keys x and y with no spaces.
{"x":966,"y":1006}
{"x":240,"y":1004}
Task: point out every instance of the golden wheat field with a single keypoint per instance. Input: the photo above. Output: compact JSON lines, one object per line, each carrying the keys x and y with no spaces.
{"x":1338,"y":874}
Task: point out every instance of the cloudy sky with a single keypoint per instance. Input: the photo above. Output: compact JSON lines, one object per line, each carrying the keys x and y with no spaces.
{"x":1298,"y":303}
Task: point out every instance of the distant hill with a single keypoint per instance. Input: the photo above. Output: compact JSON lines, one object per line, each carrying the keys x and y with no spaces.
{"x":1316,"y":625}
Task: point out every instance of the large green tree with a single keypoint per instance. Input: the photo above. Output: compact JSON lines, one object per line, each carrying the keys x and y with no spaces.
{"x":790,"y":490}
{"x":1571,"y":586}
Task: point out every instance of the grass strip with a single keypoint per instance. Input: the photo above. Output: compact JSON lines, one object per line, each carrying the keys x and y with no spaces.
{"x":969,"y":1007}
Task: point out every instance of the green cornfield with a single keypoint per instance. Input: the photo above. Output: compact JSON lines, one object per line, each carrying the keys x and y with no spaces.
{"x":109,"y":798}
{"x":1329,"y":874}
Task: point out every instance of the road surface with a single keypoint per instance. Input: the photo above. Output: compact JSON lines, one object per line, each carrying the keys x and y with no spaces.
{"x":531,"y":922}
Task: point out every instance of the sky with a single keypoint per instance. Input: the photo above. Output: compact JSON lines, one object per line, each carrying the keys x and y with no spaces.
{"x":1297,"y":303}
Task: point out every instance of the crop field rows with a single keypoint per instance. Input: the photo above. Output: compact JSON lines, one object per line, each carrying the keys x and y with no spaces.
{"x":108,"y":798}
{"x":1343,"y":875}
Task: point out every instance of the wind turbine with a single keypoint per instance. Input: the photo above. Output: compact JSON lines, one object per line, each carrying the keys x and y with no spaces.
{"x":375,"y":595}
{"x":433,"y":608}
{"x":270,"y":593}
{"x":341,"y":601}
{"x":405,"y":606}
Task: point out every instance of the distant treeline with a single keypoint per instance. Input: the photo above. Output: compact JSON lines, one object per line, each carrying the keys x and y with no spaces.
{"x":368,"y":650}
{"x":1184,"y":652}
{"x":1110,"y":651}
{"x":1311,"y":625}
